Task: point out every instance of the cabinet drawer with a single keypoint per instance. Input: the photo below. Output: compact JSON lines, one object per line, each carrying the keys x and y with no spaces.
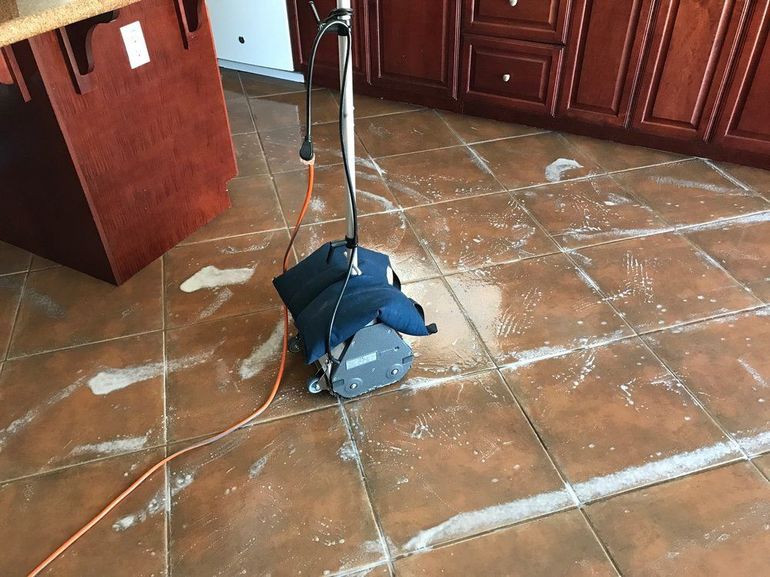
{"x":538,"y":20}
{"x":511,"y":73}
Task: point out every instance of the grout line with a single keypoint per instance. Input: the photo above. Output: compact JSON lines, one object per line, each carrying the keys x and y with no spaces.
{"x":166,"y":488}
{"x":367,"y":488}
{"x":604,"y":547}
{"x":12,"y":332}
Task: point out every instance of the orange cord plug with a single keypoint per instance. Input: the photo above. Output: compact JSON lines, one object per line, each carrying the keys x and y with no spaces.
{"x":209,"y":440}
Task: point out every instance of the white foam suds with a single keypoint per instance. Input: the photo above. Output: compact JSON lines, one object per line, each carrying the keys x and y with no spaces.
{"x":555,"y":170}
{"x":347,"y":452}
{"x":755,"y":374}
{"x":213,"y":277}
{"x":755,"y":444}
{"x":219,"y":301}
{"x":756,"y":218}
{"x":492,"y":517}
{"x":111,"y":447}
{"x":684,"y":183}
{"x":257,"y":466}
{"x":107,"y":381}
{"x":261,"y":354}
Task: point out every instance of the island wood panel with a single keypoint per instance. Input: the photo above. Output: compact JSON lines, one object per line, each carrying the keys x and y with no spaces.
{"x":150,"y":146}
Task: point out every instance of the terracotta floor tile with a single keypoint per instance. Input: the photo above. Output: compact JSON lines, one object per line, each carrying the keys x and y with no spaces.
{"x":221,"y":371}
{"x":764,"y":464}
{"x":470,"y":233}
{"x":713,"y":523}
{"x":661,"y":281}
{"x":436,"y":175}
{"x":248,"y":155}
{"x":329,"y":200}
{"x":288,"y":110}
{"x":689,"y":192}
{"x":473,"y":129}
{"x":755,"y":178}
{"x":614,"y":156}
{"x":39,"y":513}
{"x":389,"y":233}
{"x":742,"y":247}
{"x":211,"y":280}
{"x":10,"y":294}
{"x":455,"y":349}
{"x":39,"y":263}
{"x":535,"y":308}
{"x":13,"y":259}
{"x":724,"y":362}
{"x":254,"y":208}
{"x":401,"y":133}
{"x":280,"y":498}
{"x":61,"y":307}
{"x":239,"y":114}
{"x":557,"y":545}
{"x":614,"y":418}
{"x":452,"y":460}
{"x":587,"y":212}
{"x":231,"y":83}
{"x":255,"y":85}
{"x":282,"y":147}
{"x":366,"y":106}
{"x":536,"y":159}
{"x":79,"y":404}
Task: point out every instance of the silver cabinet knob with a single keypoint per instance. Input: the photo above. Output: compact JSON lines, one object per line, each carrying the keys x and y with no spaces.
{"x":506,"y":77}
{"x":513,"y":2}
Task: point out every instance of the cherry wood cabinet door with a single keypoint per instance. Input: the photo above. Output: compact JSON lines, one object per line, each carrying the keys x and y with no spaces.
{"x":415,"y":48}
{"x":744,"y":122}
{"x":303,"y":31}
{"x":537,"y":20}
{"x":602,"y":61}
{"x":688,"y":53}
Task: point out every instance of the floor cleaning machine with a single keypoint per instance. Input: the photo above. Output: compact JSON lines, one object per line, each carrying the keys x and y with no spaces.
{"x":346,"y":301}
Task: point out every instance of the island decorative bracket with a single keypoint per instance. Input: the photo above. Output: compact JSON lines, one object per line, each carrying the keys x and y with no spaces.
{"x":76,"y":42}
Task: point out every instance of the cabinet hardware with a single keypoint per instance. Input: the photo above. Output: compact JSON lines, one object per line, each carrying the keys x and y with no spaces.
{"x":506,"y":77}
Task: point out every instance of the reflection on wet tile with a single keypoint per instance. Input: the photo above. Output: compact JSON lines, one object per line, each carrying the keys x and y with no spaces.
{"x":288,"y":110}
{"x":282,"y":147}
{"x":467,"y":234}
{"x":713,"y":523}
{"x":614,"y":418}
{"x":10,"y":294}
{"x":80,"y":404}
{"x":211,"y":280}
{"x":248,"y":155}
{"x":536,"y":159}
{"x":756,"y":179}
{"x":661,"y":281}
{"x":689,"y":192}
{"x":437,"y":175}
{"x":61,"y":307}
{"x":560,"y":544}
{"x":534,"y":309}
{"x":254,"y":208}
{"x":239,"y":114}
{"x":499,"y":473}
{"x":454,"y":350}
{"x":13,"y":259}
{"x":222,"y":371}
{"x":285,"y":497}
{"x":590,"y":211}
{"x":39,"y":513}
{"x":614,"y":156}
{"x":473,"y":129}
{"x":742,"y":247}
{"x":725,"y":364}
{"x":330,"y":197}
{"x":388,"y":233}
{"x":402,"y":133}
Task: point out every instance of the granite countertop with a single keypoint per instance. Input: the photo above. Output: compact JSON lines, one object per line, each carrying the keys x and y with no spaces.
{"x":22,"y":19}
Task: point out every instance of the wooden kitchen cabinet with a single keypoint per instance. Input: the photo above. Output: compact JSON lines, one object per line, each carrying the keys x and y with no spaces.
{"x":744,"y":121}
{"x":414,"y":48}
{"x":540,"y":21}
{"x":687,"y":57}
{"x":603,"y":61}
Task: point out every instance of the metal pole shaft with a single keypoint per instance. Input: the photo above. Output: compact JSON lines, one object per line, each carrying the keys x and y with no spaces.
{"x":348,"y":133}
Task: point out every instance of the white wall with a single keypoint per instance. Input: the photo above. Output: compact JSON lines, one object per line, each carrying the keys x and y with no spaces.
{"x":264,"y":27}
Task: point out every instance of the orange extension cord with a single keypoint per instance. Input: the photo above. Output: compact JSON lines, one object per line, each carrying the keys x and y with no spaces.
{"x":213,"y":439}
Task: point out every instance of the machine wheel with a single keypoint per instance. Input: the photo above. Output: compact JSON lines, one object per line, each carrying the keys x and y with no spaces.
{"x":314,"y":385}
{"x":295,"y":344}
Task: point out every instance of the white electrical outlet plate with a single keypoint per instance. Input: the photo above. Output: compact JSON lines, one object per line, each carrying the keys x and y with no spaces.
{"x":136,"y":47}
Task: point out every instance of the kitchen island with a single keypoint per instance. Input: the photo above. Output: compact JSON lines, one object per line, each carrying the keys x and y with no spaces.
{"x":114,"y":138}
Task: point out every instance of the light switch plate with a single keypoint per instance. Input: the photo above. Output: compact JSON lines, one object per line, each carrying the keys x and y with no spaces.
{"x":136,"y":47}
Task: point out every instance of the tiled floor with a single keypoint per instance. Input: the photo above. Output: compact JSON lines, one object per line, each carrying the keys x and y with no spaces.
{"x":596,"y":402}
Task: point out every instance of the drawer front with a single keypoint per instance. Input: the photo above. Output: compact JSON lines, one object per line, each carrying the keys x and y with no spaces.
{"x":537,"y":20}
{"x":511,"y":73}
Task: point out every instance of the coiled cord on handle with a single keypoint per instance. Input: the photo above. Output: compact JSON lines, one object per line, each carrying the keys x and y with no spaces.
{"x":209,"y":440}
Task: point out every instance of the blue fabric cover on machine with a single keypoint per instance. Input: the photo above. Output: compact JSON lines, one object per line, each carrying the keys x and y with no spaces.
{"x":311,"y":288}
